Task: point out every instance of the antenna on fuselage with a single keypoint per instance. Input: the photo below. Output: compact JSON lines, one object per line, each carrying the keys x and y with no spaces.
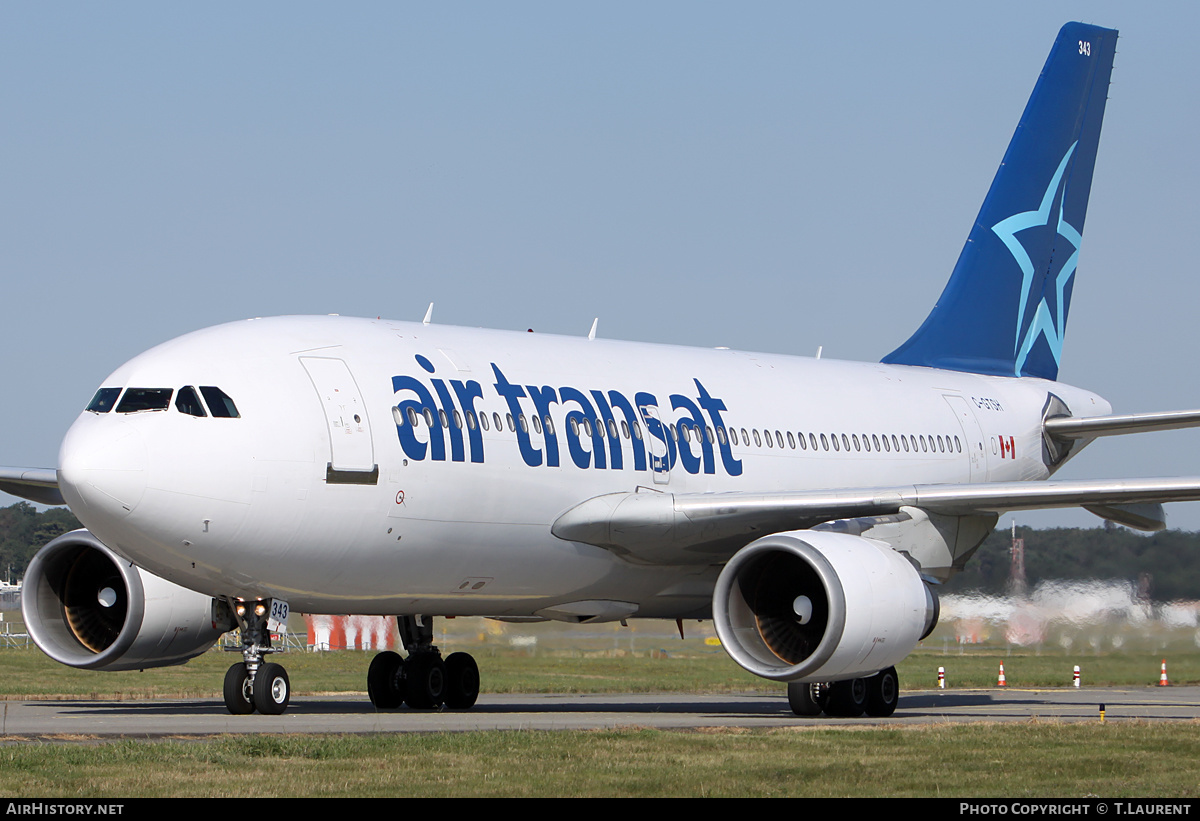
{"x":428,"y":315}
{"x":592,"y":332}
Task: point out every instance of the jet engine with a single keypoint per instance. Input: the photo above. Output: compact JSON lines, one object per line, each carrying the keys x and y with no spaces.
{"x":85,"y":606}
{"x":820,"y":606}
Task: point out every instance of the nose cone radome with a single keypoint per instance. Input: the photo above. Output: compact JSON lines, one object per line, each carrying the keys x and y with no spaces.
{"x":102,"y":466}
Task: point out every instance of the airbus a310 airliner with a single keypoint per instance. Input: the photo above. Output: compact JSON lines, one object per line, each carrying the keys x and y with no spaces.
{"x":809,"y":507}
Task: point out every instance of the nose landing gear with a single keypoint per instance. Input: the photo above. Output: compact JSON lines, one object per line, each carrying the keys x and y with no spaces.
{"x":251,"y":685}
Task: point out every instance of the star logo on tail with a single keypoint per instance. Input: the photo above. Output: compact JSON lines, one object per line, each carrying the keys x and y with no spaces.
{"x":1040,"y":319}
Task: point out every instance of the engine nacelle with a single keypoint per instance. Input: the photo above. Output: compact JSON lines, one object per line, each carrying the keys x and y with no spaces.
{"x":820,"y":606}
{"x":85,"y":606}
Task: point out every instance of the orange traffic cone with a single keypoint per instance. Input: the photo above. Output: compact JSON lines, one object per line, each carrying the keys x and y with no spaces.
{"x":1162,"y":679}
{"x":1001,"y":682}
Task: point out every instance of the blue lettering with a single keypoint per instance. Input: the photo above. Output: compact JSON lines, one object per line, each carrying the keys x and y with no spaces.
{"x":542,"y":398}
{"x":413,"y":447}
{"x":513,"y":394}
{"x":714,"y":407}
{"x":633,"y":422}
{"x":467,"y":394}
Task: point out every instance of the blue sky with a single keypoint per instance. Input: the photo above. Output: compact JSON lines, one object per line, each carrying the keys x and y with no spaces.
{"x":768,"y":176}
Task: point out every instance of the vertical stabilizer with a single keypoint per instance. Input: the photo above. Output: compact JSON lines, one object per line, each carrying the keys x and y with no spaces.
{"x":1004,"y":310}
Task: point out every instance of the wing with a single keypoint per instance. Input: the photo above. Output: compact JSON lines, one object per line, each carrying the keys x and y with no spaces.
{"x":692,"y":528}
{"x":35,"y":484}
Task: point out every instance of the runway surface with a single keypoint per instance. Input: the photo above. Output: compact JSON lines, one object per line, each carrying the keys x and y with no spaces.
{"x":82,"y":719}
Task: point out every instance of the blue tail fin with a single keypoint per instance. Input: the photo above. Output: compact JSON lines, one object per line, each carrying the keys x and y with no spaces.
{"x":1004,"y":310}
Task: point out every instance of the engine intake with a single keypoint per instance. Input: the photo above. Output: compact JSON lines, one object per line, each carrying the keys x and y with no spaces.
{"x":820,"y":606}
{"x":85,"y":606}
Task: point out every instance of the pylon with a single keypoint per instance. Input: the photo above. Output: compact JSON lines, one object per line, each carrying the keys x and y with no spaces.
{"x":1001,"y":682}
{"x":941,"y":678}
{"x":1162,"y":679}
{"x":1075,"y":677}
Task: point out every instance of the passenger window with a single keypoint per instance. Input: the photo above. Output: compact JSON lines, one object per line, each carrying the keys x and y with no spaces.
{"x":457,"y":419}
{"x":802,"y":440}
{"x":824,"y":442}
{"x":524,"y":424}
{"x":499,"y":422}
{"x":845,"y":443}
{"x":512,"y":427}
{"x":721,"y":435}
{"x":445,"y":421}
{"x":624,"y":428}
{"x":875,"y":441}
{"x":745,"y":438}
{"x":483,"y":421}
{"x":757,"y":438}
{"x":428,"y":417}
{"x":537,"y":424}
{"x":612,"y":429}
{"x":812,"y":440}
{"x":188,"y":402}
{"x":549,"y":425}
{"x":637,"y":431}
{"x":219,"y":403}
{"x":145,"y":399}
{"x":791,"y":441}
{"x":104,"y":400}
{"x":733,"y":437}
{"x":834,"y":437}
{"x":854,"y":439}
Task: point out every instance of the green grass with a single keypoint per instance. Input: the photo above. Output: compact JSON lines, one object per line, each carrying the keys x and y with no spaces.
{"x":635,"y":662}
{"x":1016,"y":760}
{"x":1027,"y":759}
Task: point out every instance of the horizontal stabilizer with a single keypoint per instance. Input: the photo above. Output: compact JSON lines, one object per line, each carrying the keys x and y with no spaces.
{"x":35,"y":484}
{"x":1072,"y":427}
{"x":702,"y":528}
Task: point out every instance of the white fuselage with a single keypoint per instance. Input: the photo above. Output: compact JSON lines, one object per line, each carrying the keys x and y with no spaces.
{"x":323,"y":493}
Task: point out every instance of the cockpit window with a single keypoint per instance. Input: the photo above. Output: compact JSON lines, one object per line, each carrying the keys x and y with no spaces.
{"x":145,"y":399}
{"x":188,"y":402}
{"x":219,"y":403}
{"x":104,"y":400}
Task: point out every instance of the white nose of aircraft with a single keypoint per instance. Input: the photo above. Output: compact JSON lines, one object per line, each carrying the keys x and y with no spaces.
{"x":102,"y":465}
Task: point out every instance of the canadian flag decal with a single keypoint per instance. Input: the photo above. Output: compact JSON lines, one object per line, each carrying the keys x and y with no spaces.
{"x":1008,"y":448}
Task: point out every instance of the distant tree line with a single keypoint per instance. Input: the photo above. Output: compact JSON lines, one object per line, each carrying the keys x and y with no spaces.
{"x":1171,"y":559}
{"x":23,"y":531}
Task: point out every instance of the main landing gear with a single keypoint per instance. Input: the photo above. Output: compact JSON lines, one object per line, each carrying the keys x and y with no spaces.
{"x":423,"y":680}
{"x":251,"y":685}
{"x":876,"y":696}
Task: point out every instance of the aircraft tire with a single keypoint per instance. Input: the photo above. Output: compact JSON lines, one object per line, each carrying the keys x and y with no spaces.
{"x":462,"y":681}
{"x":807,"y":699}
{"x":383,"y":680}
{"x":238,"y":698}
{"x":425,"y":681}
{"x":883,"y":693}
{"x":847,"y":699}
{"x":272,"y":689}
